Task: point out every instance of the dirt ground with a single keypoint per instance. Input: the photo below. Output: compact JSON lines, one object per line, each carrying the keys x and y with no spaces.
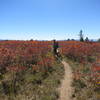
{"x":66,"y":89}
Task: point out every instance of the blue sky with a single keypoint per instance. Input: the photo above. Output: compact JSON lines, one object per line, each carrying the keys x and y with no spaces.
{"x":48,"y":19}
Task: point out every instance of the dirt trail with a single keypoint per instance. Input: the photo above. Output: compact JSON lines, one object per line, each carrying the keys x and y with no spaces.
{"x":66,"y":89}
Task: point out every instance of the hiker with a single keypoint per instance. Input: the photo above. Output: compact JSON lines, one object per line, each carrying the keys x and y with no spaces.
{"x":55,"y":48}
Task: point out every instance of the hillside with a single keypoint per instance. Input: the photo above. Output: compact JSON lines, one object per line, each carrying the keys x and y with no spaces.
{"x":30,"y":71}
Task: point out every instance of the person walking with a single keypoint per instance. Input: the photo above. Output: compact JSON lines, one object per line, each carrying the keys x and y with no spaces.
{"x":56,"y":50}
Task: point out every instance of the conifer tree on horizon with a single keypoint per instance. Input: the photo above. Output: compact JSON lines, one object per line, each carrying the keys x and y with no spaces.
{"x":87,"y":39}
{"x":81,"y":36}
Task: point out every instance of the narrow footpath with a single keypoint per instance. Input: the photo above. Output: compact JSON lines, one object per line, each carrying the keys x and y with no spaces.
{"x":66,"y":89}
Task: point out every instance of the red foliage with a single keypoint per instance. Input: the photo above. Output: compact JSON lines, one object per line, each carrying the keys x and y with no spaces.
{"x":23,"y":53}
{"x":96,"y":67}
{"x":16,"y":68}
{"x":81,"y":51}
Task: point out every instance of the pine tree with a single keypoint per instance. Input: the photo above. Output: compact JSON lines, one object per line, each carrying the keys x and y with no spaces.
{"x":87,"y":39}
{"x":81,"y":36}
